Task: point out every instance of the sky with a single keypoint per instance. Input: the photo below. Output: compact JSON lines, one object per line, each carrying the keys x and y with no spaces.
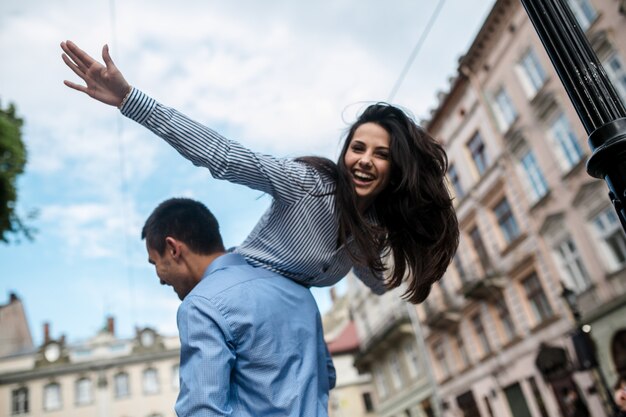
{"x":282,"y":77}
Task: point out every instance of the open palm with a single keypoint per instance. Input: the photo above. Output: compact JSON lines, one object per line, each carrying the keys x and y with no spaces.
{"x":105,"y":82}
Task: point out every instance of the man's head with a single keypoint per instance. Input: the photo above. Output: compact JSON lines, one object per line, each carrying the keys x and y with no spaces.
{"x":182,"y":237}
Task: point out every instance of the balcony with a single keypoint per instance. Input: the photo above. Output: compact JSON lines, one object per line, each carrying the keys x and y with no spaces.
{"x":442,"y":312}
{"x":394,"y":326}
{"x":483,"y":284}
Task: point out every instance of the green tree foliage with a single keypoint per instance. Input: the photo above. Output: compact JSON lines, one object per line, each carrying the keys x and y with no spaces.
{"x":12,"y":161}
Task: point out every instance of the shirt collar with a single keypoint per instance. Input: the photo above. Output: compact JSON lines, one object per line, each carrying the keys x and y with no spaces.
{"x":224,"y":261}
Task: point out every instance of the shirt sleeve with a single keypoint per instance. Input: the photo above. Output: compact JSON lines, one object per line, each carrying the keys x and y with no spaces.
{"x":285,"y":179}
{"x":374,"y":282}
{"x":206,"y":361}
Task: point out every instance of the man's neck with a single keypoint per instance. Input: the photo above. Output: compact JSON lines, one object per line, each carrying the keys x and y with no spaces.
{"x":202,"y":262}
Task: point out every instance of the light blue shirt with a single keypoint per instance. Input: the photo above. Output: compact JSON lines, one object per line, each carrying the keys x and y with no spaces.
{"x":251,"y":345}
{"x":297,"y":236}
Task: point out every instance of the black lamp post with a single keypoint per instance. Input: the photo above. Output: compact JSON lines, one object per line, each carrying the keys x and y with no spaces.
{"x":598,"y":106}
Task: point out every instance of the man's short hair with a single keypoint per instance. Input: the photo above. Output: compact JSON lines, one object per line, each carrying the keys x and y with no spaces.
{"x":186,"y":220}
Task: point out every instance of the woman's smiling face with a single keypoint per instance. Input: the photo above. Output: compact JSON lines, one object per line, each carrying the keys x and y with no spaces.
{"x":368,"y":161}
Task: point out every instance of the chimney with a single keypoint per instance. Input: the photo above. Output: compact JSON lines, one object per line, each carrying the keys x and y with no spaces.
{"x":46,"y":332}
{"x":13,"y":297}
{"x":111,"y":325}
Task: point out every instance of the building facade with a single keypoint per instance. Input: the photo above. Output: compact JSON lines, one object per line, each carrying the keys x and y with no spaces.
{"x":532,"y":223}
{"x":102,"y":377}
{"x":390,"y":346}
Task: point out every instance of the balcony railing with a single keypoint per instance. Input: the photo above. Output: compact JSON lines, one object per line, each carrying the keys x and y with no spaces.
{"x":442,"y":311}
{"x":393,"y":325}
{"x":482,"y":283}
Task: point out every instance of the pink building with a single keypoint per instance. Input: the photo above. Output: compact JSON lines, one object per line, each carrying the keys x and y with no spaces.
{"x":498,"y":330}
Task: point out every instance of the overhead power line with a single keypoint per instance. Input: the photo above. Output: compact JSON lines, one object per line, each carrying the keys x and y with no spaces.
{"x":416,"y":49}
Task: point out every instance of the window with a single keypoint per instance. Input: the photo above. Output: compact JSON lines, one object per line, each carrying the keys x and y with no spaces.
{"x":488,"y":405}
{"x":533,"y":75}
{"x":83,"y":391}
{"x":505,"y":318}
{"x":574,"y":272}
{"x":52,"y":397}
{"x":458,"y":265}
{"x":506,"y":221}
{"x":584,"y":12}
{"x":19,"y":401}
{"x":367,"y":402}
{"x":539,"y":305}
{"x":453,"y":175}
{"x":504,"y":110}
{"x":396,"y":372}
{"x":460,"y":343}
{"x":121,"y":385}
{"x":568,"y":150}
{"x":410,"y":355}
{"x":481,"y":334}
{"x":538,"y":398}
{"x":611,"y":234}
{"x":616,"y":72}
{"x":478,"y":152}
{"x":176,"y":376}
{"x":381,"y":382}
{"x":150,"y":381}
{"x":479,"y":248}
{"x":439,"y":351}
{"x":533,"y":176}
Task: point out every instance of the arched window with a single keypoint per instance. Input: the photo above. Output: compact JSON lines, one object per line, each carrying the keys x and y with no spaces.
{"x":83,"y":392}
{"x":19,"y":399}
{"x":176,"y":376}
{"x":150,"y":381}
{"x":121,"y":385}
{"x":52,"y":397}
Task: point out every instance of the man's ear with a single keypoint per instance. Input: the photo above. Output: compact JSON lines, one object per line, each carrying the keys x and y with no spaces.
{"x":173,"y":246}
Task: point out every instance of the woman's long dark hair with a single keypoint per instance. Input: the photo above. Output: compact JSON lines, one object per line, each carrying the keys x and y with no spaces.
{"x":417,"y":223}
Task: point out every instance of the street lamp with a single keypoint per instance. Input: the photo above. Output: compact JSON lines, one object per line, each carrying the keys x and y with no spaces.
{"x":595,"y":99}
{"x":571,"y":299}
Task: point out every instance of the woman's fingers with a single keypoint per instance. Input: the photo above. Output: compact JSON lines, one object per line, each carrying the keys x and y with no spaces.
{"x":68,"y":61}
{"x":78,"y":87}
{"x":76,"y":60}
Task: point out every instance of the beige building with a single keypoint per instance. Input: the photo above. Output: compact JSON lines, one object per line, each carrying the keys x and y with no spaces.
{"x":353,"y":393}
{"x":102,"y":377}
{"x":390,"y":346}
{"x":531,"y":221}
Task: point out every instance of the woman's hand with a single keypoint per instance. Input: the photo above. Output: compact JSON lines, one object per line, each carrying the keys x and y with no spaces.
{"x":104,"y":83}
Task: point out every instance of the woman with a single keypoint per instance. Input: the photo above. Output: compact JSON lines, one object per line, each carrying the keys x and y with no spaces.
{"x":386,"y":196}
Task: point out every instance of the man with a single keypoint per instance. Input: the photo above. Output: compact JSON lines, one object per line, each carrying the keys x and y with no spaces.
{"x":251,"y":340}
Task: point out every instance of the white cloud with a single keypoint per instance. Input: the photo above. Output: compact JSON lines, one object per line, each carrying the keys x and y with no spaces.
{"x":91,"y":230}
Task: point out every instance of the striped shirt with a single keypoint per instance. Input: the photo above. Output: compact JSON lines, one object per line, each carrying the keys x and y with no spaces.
{"x":297,"y":236}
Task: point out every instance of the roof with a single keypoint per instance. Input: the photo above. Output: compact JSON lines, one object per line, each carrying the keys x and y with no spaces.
{"x":347,"y":341}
